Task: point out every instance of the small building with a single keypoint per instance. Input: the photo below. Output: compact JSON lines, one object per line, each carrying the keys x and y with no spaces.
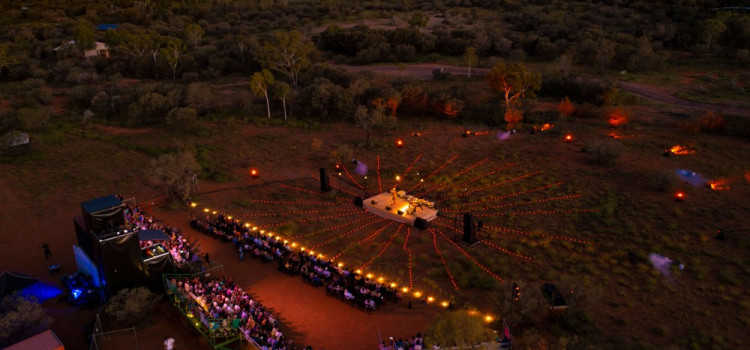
{"x":46,"y":340}
{"x":100,"y":49}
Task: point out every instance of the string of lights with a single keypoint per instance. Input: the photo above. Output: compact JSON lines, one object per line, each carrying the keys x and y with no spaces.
{"x":298,"y":212}
{"x":412,"y":164}
{"x":351,"y":178}
{"x":347,"y":233}
{"x":310,"y":191}
{"x":520,"y":256}
{"x":518,"y":178}
{"x":540,"y":188}
{"x":433,"y":173}
{"x":541,"y":212}
{"x":456,"y":176}
{"x":371,"y":236}
{"x":505,"y":205}
{"x":471,"y":257}
{"x":366,"y":215}
{"x":265,"y":201}
{"x":384,"y":248}
{"x":528,"y":233}
{"x":445,"y":264}
{"x":469,"y":182}
{"x":406,"y":240}
{"x":377,"y":169}
{"x":347,"y":213}
{"x":344,"y":190}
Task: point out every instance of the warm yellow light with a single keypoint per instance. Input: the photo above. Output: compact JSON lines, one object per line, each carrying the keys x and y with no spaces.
{"x":405,"y":290}
{"x":192,"y":205}
{"x":417,"y":294}
{"x":488,"y":318}
{"x":302,"y":249}
{"x":312,"y":252}
{"x":404,"y":209}
{"x":215,"y":212}
{"x":444,"y":304}
{"x":255,"y":228}
{"x":398,"y":178}
{"x":229,"y":217}
{"x":262,"y":231}
{"x":320,"y":255}
{"x":369,"y":275}
{"x":393,"y":285}
{"x":294,"y":244}
{"x":381,"y":279}
{"x":358,"y":271}
{"x":341,"y":264}
{"x":286,"y":241}
{"x":206,"y":210}
{"x":247,"y":224}
{"x":430,"y":299}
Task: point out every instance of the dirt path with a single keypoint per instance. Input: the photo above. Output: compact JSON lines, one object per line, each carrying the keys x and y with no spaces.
{"x":424,"y":71}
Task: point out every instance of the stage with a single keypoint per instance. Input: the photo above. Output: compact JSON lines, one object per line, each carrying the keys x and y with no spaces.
{"x":404,"y":209}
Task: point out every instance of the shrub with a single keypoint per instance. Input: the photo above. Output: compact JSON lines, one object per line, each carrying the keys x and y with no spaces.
{"x":604,"y":152}
{"x":21,"y":318}
{"x":565,"y":107}
{"x":131,"y":305}
{"x":512,"y":117}
{"x":712,"y":121}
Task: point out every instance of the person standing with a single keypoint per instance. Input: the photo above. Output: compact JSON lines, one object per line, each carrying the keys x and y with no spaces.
{"x":208,"y":259}
{"x":168,"y":343}
{"x":47,"y":252}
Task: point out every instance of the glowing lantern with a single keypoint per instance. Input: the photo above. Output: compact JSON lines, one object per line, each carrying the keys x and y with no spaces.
{"x":417,"y":294}
{"x":568,"y":138}
{"x":405,"y":290}
{"x":398,"y":177}
{"x":444,"y":304}
{"x":341,"y":264}
{"x":393,"y":285}
{"x":488,"y":318}
{"x":430,"y":299}
{"x":369,"y":275}
{"x":253,"y":173}
{"x":206,"y":210}
{"x":679,"y":196}
{"x":358,"y":271}
{"x":193,"y":204}
{"x":399,"y":143}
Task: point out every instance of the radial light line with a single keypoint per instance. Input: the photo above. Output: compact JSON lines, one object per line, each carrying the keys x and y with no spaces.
{"x":434,"y":243}
{"x":528,"y":233}
{"x":351,"y":178}
{"x":507,"y":196}
{"x":310,"y":191}
{"x":412,"y":164}
{"x":406,"y":249}
{"x":347,"y":233}
{"x":499,"y":183}
{"x":471,"y":257}
{"x":299,"y":212}
{"x":520,"y":256}
{"x":456,"y":176}
{"x":292,"y":202}
{"x":548,"y":199}
{"x":377,"y":169}
{"x":469,"y":182}
{"x":365,"y":215}
{"x":384,"y":248}
{"x":314,"y":219}
{"x":371,"y":236}
{"x":433,"y":173}
{"x":539,"y":212}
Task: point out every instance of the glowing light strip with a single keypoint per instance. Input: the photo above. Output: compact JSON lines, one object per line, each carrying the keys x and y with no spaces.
{"x":384,"y":248}
{"x":411,"y":276}
{"x":380,"y":186}
{"x":479,"y":177}
{"x":528,"y":233}
{"x":499,"y":183}
{"x":543,"y":212}
{"x":292,"y":202}
{"x":343,"y":190}
{"x":471,"y":257}
{"x":355,"y":211}
{"x":287,"y":213}
{"x":309,"y":191}
{"x":507,"y":195}
{"x":345,"y":233}
{"x":412,"y":164}
{"x":351,"y":178}
{"x":433,"y":173}
{"x":339,"y":188}
{"x":366,"y":215}
{"x":520,"y":256}
{"x":456,"y":176}
{"x":445,"y":264}
{"x":504,"y":205}
{"x":371,"y":236}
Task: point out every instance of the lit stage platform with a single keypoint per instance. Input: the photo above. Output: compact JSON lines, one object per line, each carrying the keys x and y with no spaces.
{"x":405,"y":209}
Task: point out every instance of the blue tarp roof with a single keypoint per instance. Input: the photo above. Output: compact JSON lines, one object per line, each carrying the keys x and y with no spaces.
{"x":105,"y":26}
{"x":101,"y":203}
{"x":152,"y":235}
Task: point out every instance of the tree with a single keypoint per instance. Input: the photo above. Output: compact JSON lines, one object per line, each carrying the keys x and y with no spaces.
{"x":282,"y":90}
{"x":83,"y":34}
{"x":193,"y":34}
{"x":419,"y":20}
{"x":470,"y":58}
{"x":172,"y":53}
{"x":176,"y":173}
{"x":514,"y":81}
{"x":461,"y":329}
{"x":21,"y":318}
{"x":565,"y":107}
{"x":287,"y":53}
{"x":244,"y":44}
{"x":259,"y":84}
{"x":712,"y":29}
{"x":368,"y":119}
{"x":181,"y":118}
{"x":512,"y":117}
{"x":130,"y":306}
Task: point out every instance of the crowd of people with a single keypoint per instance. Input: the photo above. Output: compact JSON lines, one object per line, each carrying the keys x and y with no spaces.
{"x":224,"y":307}
{"x":415,"y":343}
{"x":358,"y":291}
{"x":181,"y":251}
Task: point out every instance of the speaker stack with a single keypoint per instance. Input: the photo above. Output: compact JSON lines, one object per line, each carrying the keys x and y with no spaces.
{"x":470,"y":232}
{"x":325,"y":184}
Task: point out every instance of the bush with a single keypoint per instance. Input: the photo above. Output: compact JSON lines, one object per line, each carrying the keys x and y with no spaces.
{"x":21,"y":318}
{"x":661,"y":180}
{"x":712,"y":121}
{"x":604,"y":152}
{"x":131,"y":305}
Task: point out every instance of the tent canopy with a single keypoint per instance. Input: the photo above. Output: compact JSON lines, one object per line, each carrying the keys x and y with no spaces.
{"x":12,"y":282}
{"x":46,"y":340}
{"x":102,"y":203}
{"x":152,"y":235}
